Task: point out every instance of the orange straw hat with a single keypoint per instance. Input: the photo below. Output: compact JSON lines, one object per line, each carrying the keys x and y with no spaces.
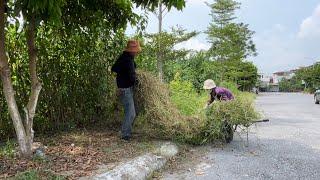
{"x":133,"y":46}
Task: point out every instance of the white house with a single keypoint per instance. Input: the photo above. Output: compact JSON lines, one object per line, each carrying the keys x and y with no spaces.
{"x":284,"y":75}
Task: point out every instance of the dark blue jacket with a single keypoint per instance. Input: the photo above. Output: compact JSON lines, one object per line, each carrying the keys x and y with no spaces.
{"x":125,"y":69}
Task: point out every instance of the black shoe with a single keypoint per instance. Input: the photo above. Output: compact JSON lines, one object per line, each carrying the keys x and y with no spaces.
{"x":126,"y":138}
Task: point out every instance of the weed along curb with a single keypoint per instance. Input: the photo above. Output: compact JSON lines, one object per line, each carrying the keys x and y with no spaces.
{"x":141,"y":167}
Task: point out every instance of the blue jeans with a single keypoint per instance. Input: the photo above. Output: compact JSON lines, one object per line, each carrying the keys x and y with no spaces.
{"x":126,"y":95}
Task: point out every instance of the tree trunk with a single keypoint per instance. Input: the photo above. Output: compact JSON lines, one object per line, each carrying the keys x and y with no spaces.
{"x":159,"y":54}
{"x":24,"y":130}
{"x":9,"y":93}
{"x":35,"y":83}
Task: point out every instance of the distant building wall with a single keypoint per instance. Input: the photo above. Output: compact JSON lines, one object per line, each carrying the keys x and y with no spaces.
{"x":268,"y":83}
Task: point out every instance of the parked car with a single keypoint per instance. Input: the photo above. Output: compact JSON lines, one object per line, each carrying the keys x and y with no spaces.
{"x":317,"y":96}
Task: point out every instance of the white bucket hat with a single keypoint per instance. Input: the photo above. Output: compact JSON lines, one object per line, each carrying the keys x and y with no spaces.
{"x":209,"y":84}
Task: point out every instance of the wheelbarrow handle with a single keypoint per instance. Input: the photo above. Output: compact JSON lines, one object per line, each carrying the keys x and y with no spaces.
{"x":264,"y":120}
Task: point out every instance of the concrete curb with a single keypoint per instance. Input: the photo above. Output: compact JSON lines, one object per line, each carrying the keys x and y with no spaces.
{"x":141,"y":167}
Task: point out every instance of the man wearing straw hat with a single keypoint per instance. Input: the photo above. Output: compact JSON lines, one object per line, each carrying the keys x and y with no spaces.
{"x":217,"y":93}
{"x":126,"y":77}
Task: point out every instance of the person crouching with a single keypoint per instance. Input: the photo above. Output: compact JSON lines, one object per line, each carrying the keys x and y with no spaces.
{"x":217,"y":93}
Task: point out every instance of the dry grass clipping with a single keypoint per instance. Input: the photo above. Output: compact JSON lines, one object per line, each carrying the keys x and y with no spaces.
{"x":158,"y":117}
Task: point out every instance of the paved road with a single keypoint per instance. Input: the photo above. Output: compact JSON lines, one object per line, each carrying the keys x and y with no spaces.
{"x":286,"y":148}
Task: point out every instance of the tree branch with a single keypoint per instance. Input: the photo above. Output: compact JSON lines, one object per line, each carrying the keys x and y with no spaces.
{"x":3,"y":58}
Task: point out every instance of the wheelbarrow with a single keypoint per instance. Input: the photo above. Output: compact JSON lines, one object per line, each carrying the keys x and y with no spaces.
{"x":228,"y":130}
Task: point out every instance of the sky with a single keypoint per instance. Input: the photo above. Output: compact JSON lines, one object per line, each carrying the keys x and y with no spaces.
{"x":287,"y":32}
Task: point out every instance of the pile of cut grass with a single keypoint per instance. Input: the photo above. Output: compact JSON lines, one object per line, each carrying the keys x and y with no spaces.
{"x":159,"y":117}
{"x":238,"y":112}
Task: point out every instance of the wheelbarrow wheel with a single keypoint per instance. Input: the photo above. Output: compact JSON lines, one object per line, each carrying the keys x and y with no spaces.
{"x":227,"y":132}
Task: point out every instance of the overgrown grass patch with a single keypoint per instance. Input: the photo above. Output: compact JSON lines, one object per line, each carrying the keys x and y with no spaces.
{"x":185,"y":97}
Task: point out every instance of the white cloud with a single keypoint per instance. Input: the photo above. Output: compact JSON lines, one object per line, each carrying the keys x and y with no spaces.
{"x":279,"y":51}
{"x":193,"y":44}
{"x":280,"y":28}
{"x":275,"y":54}
{"x":310,"y":27}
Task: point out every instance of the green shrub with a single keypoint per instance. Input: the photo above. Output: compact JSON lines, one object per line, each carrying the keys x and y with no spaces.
{"x":74,"y":67}
{"x":8,"y":150}
{"x":185,"y":97}
{"x":309,"y":90}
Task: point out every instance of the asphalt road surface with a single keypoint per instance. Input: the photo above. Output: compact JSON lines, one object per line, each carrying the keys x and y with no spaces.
{"x":286,"y":148}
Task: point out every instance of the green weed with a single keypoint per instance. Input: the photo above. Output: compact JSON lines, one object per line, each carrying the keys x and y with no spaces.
{"x":38,"y":175}
{"x":8,"y":150}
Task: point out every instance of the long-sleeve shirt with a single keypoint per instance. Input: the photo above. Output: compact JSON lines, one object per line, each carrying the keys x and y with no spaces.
{"x":220,"y":93}
{"x":125,"y":69}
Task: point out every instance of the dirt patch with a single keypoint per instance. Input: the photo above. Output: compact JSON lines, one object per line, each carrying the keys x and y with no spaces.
{"x":78,"y":154}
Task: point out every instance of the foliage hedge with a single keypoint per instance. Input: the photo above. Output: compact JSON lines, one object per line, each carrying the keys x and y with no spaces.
{"x":74,"y":67}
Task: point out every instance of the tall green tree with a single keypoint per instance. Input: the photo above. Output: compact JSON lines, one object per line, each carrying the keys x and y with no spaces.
{"x":152,"y":4}
{"x":229,"y":39}
{"x":34,"y":12}
{"x":291,"y":85}
{"x":196,"y":68}
{"x":310,"y":75}
{"x":164,"y":43}
{"x":244,"y":74}
{"x":160,"y":12}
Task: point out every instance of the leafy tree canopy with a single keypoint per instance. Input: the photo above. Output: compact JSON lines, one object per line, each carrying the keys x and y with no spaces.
{"x":229,"y":40}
